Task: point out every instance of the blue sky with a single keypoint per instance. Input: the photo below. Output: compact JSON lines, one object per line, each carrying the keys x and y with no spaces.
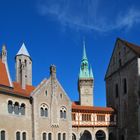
{"x":53,"y":32}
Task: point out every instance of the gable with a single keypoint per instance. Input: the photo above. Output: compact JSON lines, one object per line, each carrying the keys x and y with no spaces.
{"x":44,"y":92}
{"x":123,"y":52}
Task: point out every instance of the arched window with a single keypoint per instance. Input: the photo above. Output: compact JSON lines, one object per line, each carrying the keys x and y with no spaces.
{"x":73,"y":136}
{"x":64,"y":136}
{"x":16,"y":108}
{"x":44,"y":136}
{"x":10,"y":107}
{"x":17,"y":135}
{"x":2,"y":135}
{"x":44,"y":110}
{"x":124,"y":86}
{"x":63,"y":113}
{"x":116,"y":90}
{"x":50,"y":136}
{"x":59,"y":136}
{"x":22,"y":109}
{"x":41,"y":111}
{"x":24,"y":136}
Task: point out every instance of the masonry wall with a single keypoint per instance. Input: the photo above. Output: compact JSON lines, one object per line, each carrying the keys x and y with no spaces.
{"x":12,"y":123}
{"x":126,"y":104}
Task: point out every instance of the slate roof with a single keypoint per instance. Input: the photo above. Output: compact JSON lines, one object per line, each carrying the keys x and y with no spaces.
{"x":135,"y":48}
{"x":23,"y":50}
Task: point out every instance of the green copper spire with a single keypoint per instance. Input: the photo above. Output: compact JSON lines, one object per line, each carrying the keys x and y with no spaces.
{"x":84,"y":51}
{"x":84,"y":69}
{"x":91,"y":73}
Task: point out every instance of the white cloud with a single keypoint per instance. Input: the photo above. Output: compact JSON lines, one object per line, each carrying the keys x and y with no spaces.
{"x":89,"y":14}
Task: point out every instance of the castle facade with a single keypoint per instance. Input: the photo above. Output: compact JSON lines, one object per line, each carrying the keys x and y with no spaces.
{"x":45,"y":112}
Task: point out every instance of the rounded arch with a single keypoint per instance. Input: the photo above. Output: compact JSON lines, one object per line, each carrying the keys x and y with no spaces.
{"x":100,"y":135}
{"x":44,"y":110}
{"x":73,"y":136}
{"x":86,"y":135}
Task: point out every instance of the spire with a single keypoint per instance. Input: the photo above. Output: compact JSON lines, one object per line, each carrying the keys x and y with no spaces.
{"x":23,"y":51}
{"x":91,"y":73}
{"x":84,"y":69}
{"x":84,"y":51}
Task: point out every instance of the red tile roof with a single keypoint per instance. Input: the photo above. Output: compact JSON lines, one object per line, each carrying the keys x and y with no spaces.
{"x":23,"y":92}
{"x":16,"y":89}
{"x":91,"y":108}
{"x":4,"y":80}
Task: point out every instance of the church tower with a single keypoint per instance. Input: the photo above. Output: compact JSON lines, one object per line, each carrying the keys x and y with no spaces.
{"x":23,"y":67}
{"x":85,"y":81}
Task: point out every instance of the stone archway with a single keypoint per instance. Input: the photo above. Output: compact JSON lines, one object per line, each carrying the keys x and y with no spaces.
{"x":73,"y":136}
{"x":100,"y":135}
{"x":86,"y":135}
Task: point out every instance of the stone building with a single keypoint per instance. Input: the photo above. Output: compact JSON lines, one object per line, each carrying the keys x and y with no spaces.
{"x":123,"y":89}
{"x":45,"y":112}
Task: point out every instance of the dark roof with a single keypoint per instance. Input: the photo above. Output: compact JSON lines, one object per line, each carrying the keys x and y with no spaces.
{"x":135,"y":48}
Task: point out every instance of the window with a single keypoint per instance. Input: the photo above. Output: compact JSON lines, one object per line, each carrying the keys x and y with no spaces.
{"x":49,"y":136}
{"x":63,"y":113}
{"x":22,"y":109}
{"x":124,"y":86}
{"x":2,"y":137}
{"x":24,"y":136}
{"x":41,"y":111}
{"x":86,"y":117}
{"x":10,"y":107}
{"x":64,"y":136}
{"x":59,"y":136}
{"x":46,"y":92}
{"x":101,"y":118}
{"x":16,"y":108}
{"x":116,"y":90}
{"x":44,"y":110}
{"x":44,"y":136}
{"x":18,"y":136}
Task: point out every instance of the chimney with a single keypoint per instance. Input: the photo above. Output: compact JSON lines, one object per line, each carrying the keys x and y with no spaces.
{"x":53,"y":71}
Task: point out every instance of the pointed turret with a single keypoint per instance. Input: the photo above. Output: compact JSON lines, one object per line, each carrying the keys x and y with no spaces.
{"x":23,"y":67}
{"x":23,"y":51}
{"x":91,"y":73}
{"x":85,"y":81}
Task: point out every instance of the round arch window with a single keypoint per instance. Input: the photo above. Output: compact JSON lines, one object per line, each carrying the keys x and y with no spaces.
{"x":100,"y":135}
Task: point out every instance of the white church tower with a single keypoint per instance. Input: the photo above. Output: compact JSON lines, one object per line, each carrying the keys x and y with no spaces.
{"x":23,"y":67}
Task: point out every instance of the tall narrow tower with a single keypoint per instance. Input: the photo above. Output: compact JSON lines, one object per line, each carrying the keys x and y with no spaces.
{"x":23,"y":67}
{"x":85,"y":81}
